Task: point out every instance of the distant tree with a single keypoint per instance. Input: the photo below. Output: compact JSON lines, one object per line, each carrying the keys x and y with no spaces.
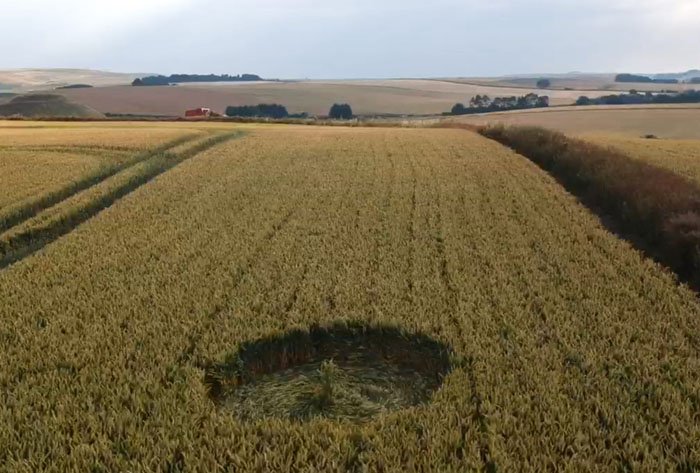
{"x":459,"y":109}
{"x":261,"y":110}
{"x":643,"y":79}
{"x":340,"y":112}
{"x":686,"y":96}
{"x":151,"y":80}
{"x":613,"y":100}
{"x":531,"y":101}
{"x":695,"y":80}
{"x":632,"y":78}
{"x":183,"y":78}
{"x":480,"y":101}
{"x":542,"y":102}
{"x":504,"y":103}
{"x":74,"y":86}
{"x":544,"y":83}
{"x":485,"y":104}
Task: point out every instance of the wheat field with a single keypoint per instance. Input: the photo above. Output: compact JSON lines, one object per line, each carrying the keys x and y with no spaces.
{"x":568,"y":350}
{"x":26,"y":174}
{"x":680,"y":156}
{"x":679,"y":122}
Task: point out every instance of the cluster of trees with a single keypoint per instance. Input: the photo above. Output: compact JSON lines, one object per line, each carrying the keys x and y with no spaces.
{"x":643,"y":79}
{"x":694,"y":80}
{"x":181,"y":78}
{"x":340,"y":111}
{"x":337,"y":112}
{"x":544,"y":83}
{"x":261,"y":110}
{"x":484,"y":104}
{"x":634,"y":97}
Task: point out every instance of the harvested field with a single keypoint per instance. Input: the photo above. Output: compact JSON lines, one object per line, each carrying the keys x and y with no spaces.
{"x":584,"y":83}
{"x":678,"y":122}
{"x":367,"y":97}
{"x":43,"y":79}
{"x":568,"y":349}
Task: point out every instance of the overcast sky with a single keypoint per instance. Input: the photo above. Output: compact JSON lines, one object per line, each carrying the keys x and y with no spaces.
{"x":352,"y":38}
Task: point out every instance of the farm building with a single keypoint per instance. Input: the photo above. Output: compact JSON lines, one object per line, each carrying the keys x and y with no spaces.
{"x":200,"y":112}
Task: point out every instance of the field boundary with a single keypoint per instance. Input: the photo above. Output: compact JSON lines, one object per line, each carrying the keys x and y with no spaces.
{"x":27,"y":210}
{"x":36,"y":232}
{"x":579,"y":109}
{"x":514,"y":86}
{"x":477,"y":83}
{"x":654,"y":209}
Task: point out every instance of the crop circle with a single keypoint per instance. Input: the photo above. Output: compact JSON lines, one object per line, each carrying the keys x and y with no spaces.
{"x":342,"y":372}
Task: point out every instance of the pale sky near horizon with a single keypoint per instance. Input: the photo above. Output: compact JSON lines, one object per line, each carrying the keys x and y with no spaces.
{"x":352,"y":38}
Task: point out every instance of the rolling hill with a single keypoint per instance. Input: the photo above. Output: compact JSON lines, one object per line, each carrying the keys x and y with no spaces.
{"x":25,"y":80}
{"x":367,"y":97}
{"x":46,"y":106}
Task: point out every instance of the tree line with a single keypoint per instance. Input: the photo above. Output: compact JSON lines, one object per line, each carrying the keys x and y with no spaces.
{"x":643,"y":79}
{"x":74,"y":86}
{"x":181,"y":78}
{"x":485,"y":104}
{"x":276,"y":111}
{"x":636,"y":98}
{"x":260,"y":110}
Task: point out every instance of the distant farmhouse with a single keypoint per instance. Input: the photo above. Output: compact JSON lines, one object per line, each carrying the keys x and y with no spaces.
{"x":200,"y":112}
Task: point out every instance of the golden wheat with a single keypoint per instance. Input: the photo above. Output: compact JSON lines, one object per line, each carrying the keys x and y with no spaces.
{"x":681,"y":156}
{"x":99,"y":135}
{"x":25,"y":174}
{"x":571,"y":351}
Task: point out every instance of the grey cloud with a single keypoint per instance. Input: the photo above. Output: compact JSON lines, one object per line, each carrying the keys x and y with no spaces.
{"x":361,"y":38}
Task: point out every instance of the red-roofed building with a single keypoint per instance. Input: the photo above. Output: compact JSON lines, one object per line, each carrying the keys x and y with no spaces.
{"x":200,"y":112}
